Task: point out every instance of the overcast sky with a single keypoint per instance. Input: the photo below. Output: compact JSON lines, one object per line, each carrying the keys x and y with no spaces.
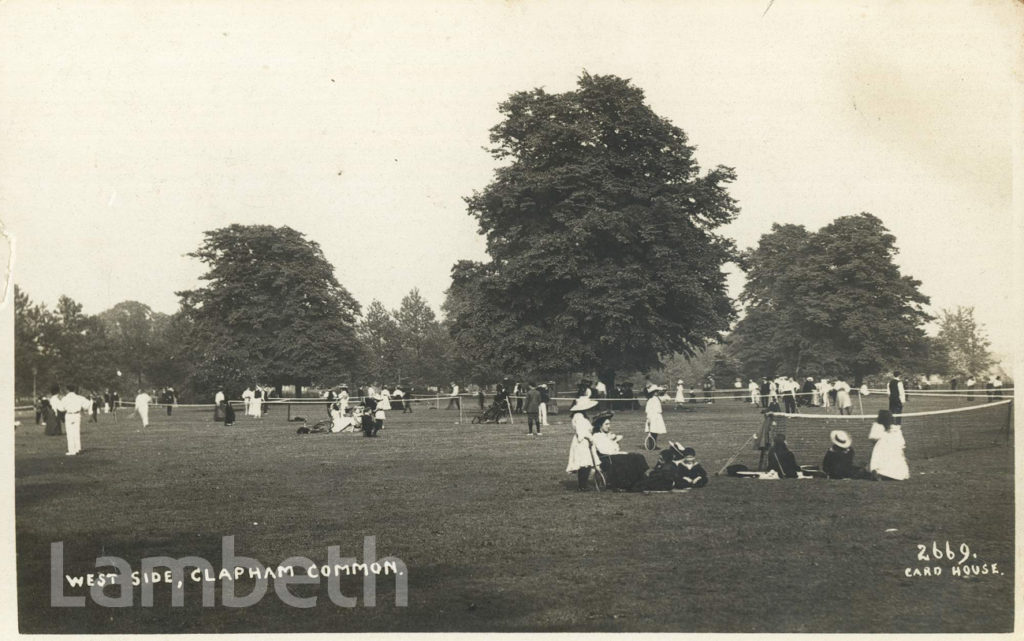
{"x":128,"y":129}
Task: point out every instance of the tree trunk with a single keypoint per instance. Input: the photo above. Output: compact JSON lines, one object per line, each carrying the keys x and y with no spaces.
{"x":298,"y":391}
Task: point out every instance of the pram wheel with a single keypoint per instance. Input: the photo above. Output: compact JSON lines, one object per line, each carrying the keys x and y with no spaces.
{"x":650,"y":442}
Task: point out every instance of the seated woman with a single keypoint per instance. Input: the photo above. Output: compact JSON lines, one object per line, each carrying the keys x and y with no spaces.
{"x":622,"y":470}
{"x":838,"y":463}
{"x":888,"y":461}
{"x":781,"y":459}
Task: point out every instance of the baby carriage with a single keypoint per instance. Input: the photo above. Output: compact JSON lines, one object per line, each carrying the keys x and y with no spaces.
{"x":493,"y":414}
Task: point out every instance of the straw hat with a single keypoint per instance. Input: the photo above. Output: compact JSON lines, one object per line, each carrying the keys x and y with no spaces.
{"x":840,"y":438}
{"x":583,"y":403}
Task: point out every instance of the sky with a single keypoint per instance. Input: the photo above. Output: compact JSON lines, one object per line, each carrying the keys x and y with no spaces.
{"x":128,"y":129}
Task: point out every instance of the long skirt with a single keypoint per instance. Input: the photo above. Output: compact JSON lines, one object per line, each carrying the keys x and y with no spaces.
{"x":624,"y":471}
{"x":52,"y":423}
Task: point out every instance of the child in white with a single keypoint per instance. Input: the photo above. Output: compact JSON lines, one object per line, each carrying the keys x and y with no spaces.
{"x":655,"y":419}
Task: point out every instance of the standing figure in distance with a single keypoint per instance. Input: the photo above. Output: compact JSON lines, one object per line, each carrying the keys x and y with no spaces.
{"x":74,"y":406}
{"x":142,"y":401}
{"x":897,"y":397}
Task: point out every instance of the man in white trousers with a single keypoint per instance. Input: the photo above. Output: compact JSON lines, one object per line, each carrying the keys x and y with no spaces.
{"x":74,"y":406}
{"x":142,"y":401}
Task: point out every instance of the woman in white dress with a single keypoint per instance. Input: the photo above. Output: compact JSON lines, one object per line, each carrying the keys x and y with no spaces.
{"x":888,"y":460}
{"x":256,"y":404}
{"x":384,"y":399}
{"x":655,"y":419}
{"x":680,"y":393}
{"x":580,"y":460}
{"x":843,"y":401}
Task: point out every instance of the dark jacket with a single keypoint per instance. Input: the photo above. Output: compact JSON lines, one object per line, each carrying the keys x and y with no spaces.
{"x":838,"y":463}
{"x":693,"y":477}
{"x":782,"y":460}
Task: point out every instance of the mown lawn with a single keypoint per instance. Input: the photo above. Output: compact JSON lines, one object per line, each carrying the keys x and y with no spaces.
{"x":495,"y":537}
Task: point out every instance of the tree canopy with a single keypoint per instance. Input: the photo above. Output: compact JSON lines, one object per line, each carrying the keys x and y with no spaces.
{"x":830,"y":302}
{"x":964,"y":342}
{"x":272,"y":311}
{"x":601,"y":233}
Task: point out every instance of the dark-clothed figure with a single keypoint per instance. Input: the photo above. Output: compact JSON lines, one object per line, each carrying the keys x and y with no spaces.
{"x":229,"y":414}
{"x":690,"y":473}
{"x":897,"y":397}
{"x":838,"y":463}
{"x":766,"y":391}
{"x":532,"y":408}
{"x":781,"y":459}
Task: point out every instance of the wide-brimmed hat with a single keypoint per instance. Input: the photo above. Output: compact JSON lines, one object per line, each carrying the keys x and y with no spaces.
{"x":680,"y":381}
{"x":583,"y":403}
{"x":655,"y":388}
{"x":840,"y":438}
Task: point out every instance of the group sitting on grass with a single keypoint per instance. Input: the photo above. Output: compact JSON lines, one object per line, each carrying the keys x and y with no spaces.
{"x":595,"y":447}
{"x":887,"y":463}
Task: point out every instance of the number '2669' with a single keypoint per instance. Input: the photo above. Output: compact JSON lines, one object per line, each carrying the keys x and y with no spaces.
{"x":938,"y":553}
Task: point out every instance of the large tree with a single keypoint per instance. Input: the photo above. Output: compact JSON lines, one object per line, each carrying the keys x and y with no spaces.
{"x":425,"y":344}
{"x":381,"y":344}
{"x":130,"y":325}
{"x":600,"y":228}
{"x":964,"y":341}
{"x":271,"y":312}
{"x":830,"y":302}
{"x":34,"y":329}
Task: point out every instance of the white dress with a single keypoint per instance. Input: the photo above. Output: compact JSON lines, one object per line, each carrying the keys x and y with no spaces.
{"x":655,"y":421}
{"x":843,"y":395}
{"x":385,"y":400}
{"x":579,"y":447}
{"x":680,"y":394}
{"x":887,"y":457}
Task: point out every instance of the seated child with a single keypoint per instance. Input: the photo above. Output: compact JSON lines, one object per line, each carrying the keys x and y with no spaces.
{"x":366,"y":417}
{"x":689,"y":473}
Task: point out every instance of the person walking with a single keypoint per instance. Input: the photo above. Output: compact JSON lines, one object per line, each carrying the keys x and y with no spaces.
{"x":655,"y":418}
{"x":532,"y":408}
{"x":73,"y":407}
{"x":256,"y":405}
{"x":843,"y":399}
{"x":897,"y":397}
{"x":542,"y":410}
{"x":50,"y":408}
{"x":142,"y":401}
{"x":408,"y":401}
{"x":454,"y":402}
{"x":218,"y":404}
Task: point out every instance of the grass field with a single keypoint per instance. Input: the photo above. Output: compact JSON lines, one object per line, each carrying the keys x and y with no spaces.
{"x":495,"y":537}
